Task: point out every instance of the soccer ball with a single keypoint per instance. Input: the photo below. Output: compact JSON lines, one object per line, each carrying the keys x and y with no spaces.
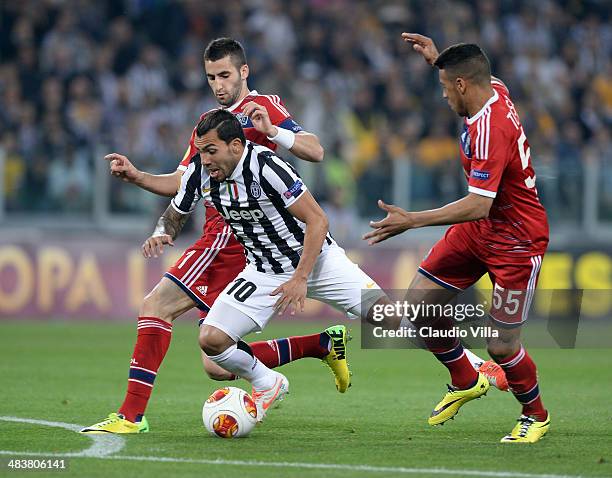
{"x":229,"y":412}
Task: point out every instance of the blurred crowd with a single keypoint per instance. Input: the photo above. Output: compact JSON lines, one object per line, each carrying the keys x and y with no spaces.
{"x":80,"y":78}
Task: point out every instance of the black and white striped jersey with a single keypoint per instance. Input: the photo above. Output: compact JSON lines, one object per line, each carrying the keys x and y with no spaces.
{"x":254,"y":202}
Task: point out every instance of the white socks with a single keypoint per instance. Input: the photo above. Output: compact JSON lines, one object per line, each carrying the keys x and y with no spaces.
{"x":474,"y":359}
{"x":246,"y":366}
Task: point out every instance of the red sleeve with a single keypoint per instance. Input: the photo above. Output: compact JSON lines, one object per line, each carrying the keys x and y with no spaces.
{"x":189,"y":152}
{"x":491,"y":155}
{"x":276,"y":110}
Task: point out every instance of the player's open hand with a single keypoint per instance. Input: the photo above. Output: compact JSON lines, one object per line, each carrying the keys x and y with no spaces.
{"x":154,"y":245}
{"x":292,"y":295}
{"x":260,"y":117}
{"x":121,"y":167}
{"x":396,"y":222}
{"x":423,"y":45}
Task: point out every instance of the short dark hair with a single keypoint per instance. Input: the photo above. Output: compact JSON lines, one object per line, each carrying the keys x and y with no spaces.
{"x":222,"y":47}
{"x":227,"y":125}
{"x":466,"y":60}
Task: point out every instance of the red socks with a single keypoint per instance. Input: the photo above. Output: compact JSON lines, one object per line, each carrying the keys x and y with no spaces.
{"x":523,"y":381}
{"x":453,"y":356}
{"x":273,"y":353}
{"x":152,"y":342}
{"x":449,"y":351}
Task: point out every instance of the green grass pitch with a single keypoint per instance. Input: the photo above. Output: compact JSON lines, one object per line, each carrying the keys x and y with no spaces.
{"x":76,"y":373}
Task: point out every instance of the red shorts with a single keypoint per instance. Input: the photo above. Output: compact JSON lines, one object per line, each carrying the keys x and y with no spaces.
{"x":206,"y":267}
{"x":457,"y":262}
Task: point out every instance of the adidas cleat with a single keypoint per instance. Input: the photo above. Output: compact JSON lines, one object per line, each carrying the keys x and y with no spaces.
{"x":495,"y":375}
{"x":336,"y":358}
{"x":116,"y":423}
{"x":264,"y":399}
{"x":527,"y":430}
{"x":454,"y":399}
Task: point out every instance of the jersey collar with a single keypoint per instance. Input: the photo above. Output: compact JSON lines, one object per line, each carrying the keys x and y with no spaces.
{"x":237,"y":170}
{"x":235,"y":105}
{"x":491,"y":100}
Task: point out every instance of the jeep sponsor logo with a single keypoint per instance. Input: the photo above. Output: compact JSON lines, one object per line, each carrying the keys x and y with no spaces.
{"x":236,"y":214}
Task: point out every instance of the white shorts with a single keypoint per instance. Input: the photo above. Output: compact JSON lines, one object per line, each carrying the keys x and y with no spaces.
{"x":335,"y":280}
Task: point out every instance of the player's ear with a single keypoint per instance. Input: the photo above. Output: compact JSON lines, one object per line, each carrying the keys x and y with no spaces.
{"x":236,"y":147}
{"x":460,"y":85}
{"x":244,"y":72}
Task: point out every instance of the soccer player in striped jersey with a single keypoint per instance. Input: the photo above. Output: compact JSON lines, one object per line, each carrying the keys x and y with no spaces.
{"x":214,"y":260}
{"x":499,"y":228}
{"x":285,"y":235}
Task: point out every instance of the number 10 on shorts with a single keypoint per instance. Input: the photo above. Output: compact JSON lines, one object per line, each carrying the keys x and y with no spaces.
{"x":242,"y":289}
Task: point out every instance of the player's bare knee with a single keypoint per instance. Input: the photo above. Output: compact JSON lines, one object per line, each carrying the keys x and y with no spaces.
{"x":505,"y":344}
{"x":166,"y":302}
{"x":500,"y":348}
{"x":213,"y":341}
{"x":150,"y":305}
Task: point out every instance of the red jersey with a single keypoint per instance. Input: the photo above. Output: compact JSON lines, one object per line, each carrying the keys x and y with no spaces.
{"x":279,"y":117}
{"x":497,"y":163}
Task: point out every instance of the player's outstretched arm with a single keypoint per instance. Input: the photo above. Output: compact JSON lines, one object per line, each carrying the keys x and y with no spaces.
{"x":469,"y":208}
{"x":168,"y":227}
{"x":307,"y":147}
{"x":423,"y":45}
{"x":162,"y":184}
{"x":303,"y":145}
{"x":426,"y":47}
{"x":293,"y":292}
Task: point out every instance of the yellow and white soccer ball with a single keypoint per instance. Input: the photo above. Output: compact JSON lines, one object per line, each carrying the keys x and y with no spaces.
{"x":229,"y":412}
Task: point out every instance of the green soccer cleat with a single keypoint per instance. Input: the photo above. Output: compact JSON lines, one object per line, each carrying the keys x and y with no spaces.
{"x":527,"y":430}
{"x":454,"y":399}
{"x":336,"y":358}
{"x":116,"y":423}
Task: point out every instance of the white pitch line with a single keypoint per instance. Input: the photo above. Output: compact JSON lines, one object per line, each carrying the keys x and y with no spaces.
{"x":317,"y":466}
{"x":102,"y":446}
{"x":114,"y":443}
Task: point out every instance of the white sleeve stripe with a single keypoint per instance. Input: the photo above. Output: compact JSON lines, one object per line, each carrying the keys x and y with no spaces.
{"x":282,"y":108}
{"x":482,"y":192}
{"x":275,"y":100}
{"x":273,"y":103}
{"x":177,"y":209}
{"x":488,"y":130}
{"x":182,"y":168}
{"x":478,"y":138}
{"x":483,"y":128}
{"x":477,"y":142}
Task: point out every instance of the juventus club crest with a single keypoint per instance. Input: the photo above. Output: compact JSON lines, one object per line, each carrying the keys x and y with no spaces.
{"x":255,"y":190}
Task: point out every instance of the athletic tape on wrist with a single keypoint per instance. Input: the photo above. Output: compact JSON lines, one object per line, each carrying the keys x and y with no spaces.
{"x":284,"y":138}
